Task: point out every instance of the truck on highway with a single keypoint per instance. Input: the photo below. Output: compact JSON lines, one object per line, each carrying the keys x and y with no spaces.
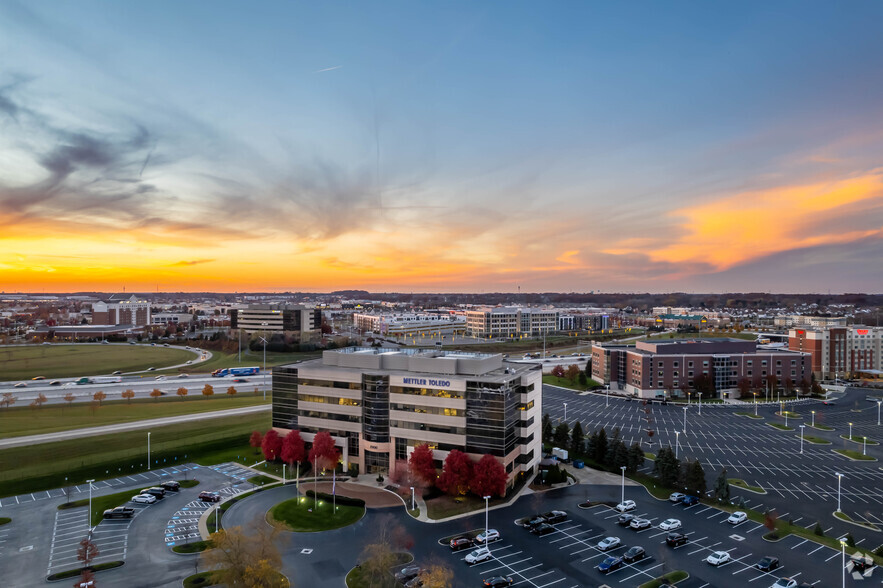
{"x":107,"y":380}
{"x":240,"y":371}
{"x":84,"y":381}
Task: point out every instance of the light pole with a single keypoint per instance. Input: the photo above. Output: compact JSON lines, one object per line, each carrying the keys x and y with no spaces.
{"x":843,"y":560}
{"x":839,"y":477}
{"x":217,"y":515}
{"x":622,"y":499}
{"x":801,"y":437}
{"x":685,"y":420}
{"x":865,"y":445}
{"x":90,"y":503}
{"x":700,"y":403}
{"x":486,"y":542}
{"x":148,"y":450}
{"x":850,"y":431}
{"x":755,"y":404}
{"x":813,"y":419}
{"x":878,"y":410}
{"x":607,"y":398}
{"x":677,"y":443}
{"x":283,"y":474}
{"x":565,"y":412}
{"x":412,"y":498}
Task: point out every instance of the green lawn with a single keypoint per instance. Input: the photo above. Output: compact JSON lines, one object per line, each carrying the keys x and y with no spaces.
{"x":816,"y":440}
{"x":750,"y":415}
{"x":68,"y":361}
{"x":220,"y":360}
{"x":22,"y":420}
{"x":822,"y":427}
{"x":54,"y":465}
{"x":102,"y":503}
{"x":448,"y":506}
{"x":854,"y":455}
{"x":781,"y":427}
{"x":194,"y":547}
{"x":670,"y":578}
{"x":859,"y":440}
{"x":355,"y":579}
{"x":262,"y":480}
{"x":739,"y":483}
{"x":300,"y":515}
{"x":565,"y":383}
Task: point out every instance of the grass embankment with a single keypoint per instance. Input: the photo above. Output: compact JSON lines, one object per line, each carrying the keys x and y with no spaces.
{"x":101,"y":503}
{"x":207,"y":579}
{"x":739,"y":483}
{"x":750,"y":415}
{"x":822,"y":427}
{"x":304,"y":514}
{"x":780,"y":426}
{"x":70,"y":361}
{"x":76,"y":572}
{"x":856,"y":455}
{"x":858,"y":440}
{"x":443,"y":507}
{"x":356,"y":576}
{"x":64,"y":463}
{"x":566,"y":383}
{"x":815,"y":440}
{"x":195,"y":547}
{"x":669,"y":578}
{"x":22,"y":420}
{"x":262,"y":480}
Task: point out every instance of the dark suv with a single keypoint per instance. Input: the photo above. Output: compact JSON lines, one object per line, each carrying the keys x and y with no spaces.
{"x":171,"y":485}
{"x":207,"y":496}
{"x":458,"y":543}
{"x":675,"y":539}
{"x":555,"y":516}
{"x":155,"y":491}
{"x":625,"y":519}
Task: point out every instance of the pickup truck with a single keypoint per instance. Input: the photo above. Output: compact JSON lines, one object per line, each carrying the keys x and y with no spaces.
{"x":121,"y":512}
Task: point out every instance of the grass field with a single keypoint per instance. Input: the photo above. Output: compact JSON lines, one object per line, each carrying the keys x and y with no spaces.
{"x":54,"y":465}
{"x":300,"y":515}
{"x":249,"y":358}
{"x":70,"y":361}
{"x":22,"y":420}
{"x":102,"y":503}
{"x":856,"y":455}
{"x":565,"y":383}
{"x":739,"y":483}
{"x":356,"y":577}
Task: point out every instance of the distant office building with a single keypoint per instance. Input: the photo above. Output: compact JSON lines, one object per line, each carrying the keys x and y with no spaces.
{"x":657,"y":310}
{"x":813,"y":322}
{"x":276,"y":318}
{"x":583,"y":322}
{"x":410,"y":325}
{"x":649,"y":368}
{"x":511,"y":321}
{"x":121,"y":309}
{"x":379,"y":404}
{"x":840,"y":351}
{"x":175,"y":318}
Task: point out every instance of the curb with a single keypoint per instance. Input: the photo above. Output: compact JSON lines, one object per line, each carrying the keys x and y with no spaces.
{"x":859,"y":525}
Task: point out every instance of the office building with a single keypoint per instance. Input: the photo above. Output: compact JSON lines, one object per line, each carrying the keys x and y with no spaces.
{"x":295,"y":319}
{"x":379,"y":404}
{"x":410,"y":325}
{"x":808,"y":321}
{"x":510,"y":321}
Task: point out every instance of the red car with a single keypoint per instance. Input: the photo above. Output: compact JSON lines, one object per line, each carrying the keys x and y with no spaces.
{"x":207,"y":496}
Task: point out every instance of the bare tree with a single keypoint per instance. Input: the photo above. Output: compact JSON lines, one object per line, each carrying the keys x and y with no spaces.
{"x":246,"y":557}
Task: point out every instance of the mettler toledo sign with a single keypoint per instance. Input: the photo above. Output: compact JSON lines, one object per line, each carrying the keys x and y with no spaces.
{"x":434,"y":383}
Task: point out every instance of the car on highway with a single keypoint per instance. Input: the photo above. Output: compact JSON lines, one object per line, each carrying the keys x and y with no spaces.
{"x":55,"y":383}
{"x":479,"y":555}
{"x":737,"y":517}
{"x":634,"y":554}
{"x":171,"y":485}
{"x":239,"y":380}
{"x":183,"y":375}
{"x":555,"y":516}
{"x":144,"y":498}
{"x":151,"y":369}
{"x":543,"y":529}
{"x":639,"y":524}
{"x":718,"y":558}
{"x":155,"y":491}
{"x":670,"y":524}
{"x":406,"y":573}
{"x":120,"y":512}
{"x":767,"y":564}
{"x":675,"y":539}
{"x":785,"y":583}
{"x":458,"y":543}
{"x":39,"y":378}
{"x":676,"y":497}
{"x":116,"y":373}
{"x":625,"y":519}
{"x":207,"y":496}
{"x":498,"y":582}
{"x":20,"y":385}
{"x":610,"y":563}
{"x":690,"y":500}
{"x":608,"y":543}
{"x":626,"y":505}
{"x":487,"y":536}
{"x":160,"y":378}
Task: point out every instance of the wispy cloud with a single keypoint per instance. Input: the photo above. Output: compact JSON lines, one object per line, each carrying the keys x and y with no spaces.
{"x":328,"y":69}
{"x":191,"y":262}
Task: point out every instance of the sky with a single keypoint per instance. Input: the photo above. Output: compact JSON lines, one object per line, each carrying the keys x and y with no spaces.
{"x":441,"y":147}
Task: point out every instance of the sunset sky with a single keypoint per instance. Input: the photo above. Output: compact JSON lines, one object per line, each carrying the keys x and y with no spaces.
{"x":444,"y":146}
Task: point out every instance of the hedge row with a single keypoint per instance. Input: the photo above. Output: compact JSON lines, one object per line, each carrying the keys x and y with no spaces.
{"x":341,"y":500}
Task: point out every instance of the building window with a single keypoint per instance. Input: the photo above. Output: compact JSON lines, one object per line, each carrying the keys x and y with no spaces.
{"x":690,"y":373}
{"x":690,"y":364}
{"x":676,"y":364}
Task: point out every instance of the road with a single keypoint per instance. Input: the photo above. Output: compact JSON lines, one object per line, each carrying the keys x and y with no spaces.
{"x":123,"y":427}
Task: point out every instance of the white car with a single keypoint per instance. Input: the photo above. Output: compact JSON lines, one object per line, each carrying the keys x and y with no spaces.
{"x":718,"y":557}
{"x":737,"y":517}
{"x":609,"y":543}
{"x":784,"y":583}
{"x":487,"y":536}
{"x":478,"y":555}
{"x":626,"y":505}
{"x":670,"y":524}
{"x":145,"y":498}
{"x":676,"y":497}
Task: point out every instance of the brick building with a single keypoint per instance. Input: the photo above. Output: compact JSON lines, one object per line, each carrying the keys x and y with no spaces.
{"x":121,"y":309}
{"x":840,"y":351}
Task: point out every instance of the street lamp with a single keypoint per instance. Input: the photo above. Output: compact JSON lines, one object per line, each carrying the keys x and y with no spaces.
{"x":878,"y":410}
{"x":565,"y":412}
{"x":801,"y":437}
{"x":839,"y":477}
{"x":865,"y":445}
{"x":148,"y":450}
{"x":755,"y":404}
{"x":412,"y":498}
{"x":486,"y":542}
{"x":283,"y":474}
{"x":685,"y":420}
{"x":677,"y":443}
{"x":622,"y":499}
{"x":813,"y":419}
{"x":90,"y":503}
{"x":850,"y":431}
{"x":607,"y":398}
{"x":217,"y":515}
{"x":843,"y":560}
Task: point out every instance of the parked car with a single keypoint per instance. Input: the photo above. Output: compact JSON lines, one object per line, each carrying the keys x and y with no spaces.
{"x":737,"y":517}
{"x":555,"y":516}
{"x":487,"y":536}
{"x":676,"y":497}
{"x":862,"y":563}
{"x":675,"y":539}
{"x":479,"y":555}
{"x":610,"y":563}
{"x":144,"y":498}
{"x":498,"y":582}
{"x":155,"y":491}
{"x":785,"y":583}
{"x":670,"y":524}
{"x":406,"y":573}
{"x":543,"y":529}
{"x":626,"y":505}
{"x":690,"y":500}
{"x":767,"y":564}
{"x":639,"y":524}
{"x":718,"y":558}
{"x":609,"y":543}
{"x":634,"y":554}
{"x":625,"y":519}
{"x":207,"y":496}
{"x":120,"y":512}
{"x":458,"y":543}
{"x":171,"y":485}
{"x":534,"y":521}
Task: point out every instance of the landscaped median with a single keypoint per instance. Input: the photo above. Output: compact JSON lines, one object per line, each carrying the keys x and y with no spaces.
{"x":845,"y":517}
{"x":739,"y":483}
{"x":821,"y":427}
{"x":73,"y":573}
{"x":859,"y":440}
{"x":317,"y":512}
{"x":815,"y":440}
{"x":5,"y":521}
{"x":100,"y":504}
{"x":750,"y":415}
{"x":854,"y":455}
{"x":780,"y":426}
{"x":669,"y":578}
{"x":207,"y":579}
{"x":358,"y":577}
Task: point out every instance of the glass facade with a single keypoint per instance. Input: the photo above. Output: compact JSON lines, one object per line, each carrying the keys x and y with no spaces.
{"x":285,"y":397}
{"x":375,"y":408}
{"x":492,"y":417}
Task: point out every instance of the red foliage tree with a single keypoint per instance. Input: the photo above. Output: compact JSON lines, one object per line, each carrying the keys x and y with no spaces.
{"x":323,"y":453}
{"x":255,"y":440}
{"x":271,"y":445}
{"x":293,"y":449}
{"x":558,"y":371}
{"x":456,"y":473}
{"x":422,"y":466}
{"x":488,"y":477}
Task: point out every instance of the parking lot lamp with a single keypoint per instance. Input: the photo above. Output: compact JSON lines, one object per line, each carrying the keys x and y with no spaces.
{"x":850,"y":431}
{"x":677,"y":443}
{"x":879,"y":402}
{"x":813,"y":419}
{"x":755,"y":404}
{"x":801,"y":437}
{"x":688,"y":398}
{"x":622,"y":499}
{"x":283,"y":474}
{"x":217,"y":515}
{"x":148,"y":450}
{"x":865,"y":445}
{"x":486,"y":542}
{"x":700,"y":403}
{"x":685,"y":420}
{"x":412,"y":498}
{"x":90,"y":503}
{"x":839,"y":477}
{"x":607,"y":397}
{"x":565,"y":412}
{"x":843,"y":560}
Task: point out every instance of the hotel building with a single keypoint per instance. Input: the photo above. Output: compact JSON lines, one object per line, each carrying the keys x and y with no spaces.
{"x":510,"y":321}
{"x":413,"y":325}
{"x":840,"y":351}
{"x":378,"y":404}
{"x":121,"y":310}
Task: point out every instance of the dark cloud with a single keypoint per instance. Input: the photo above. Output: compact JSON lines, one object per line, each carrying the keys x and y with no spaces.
{"x":191,"y":262}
